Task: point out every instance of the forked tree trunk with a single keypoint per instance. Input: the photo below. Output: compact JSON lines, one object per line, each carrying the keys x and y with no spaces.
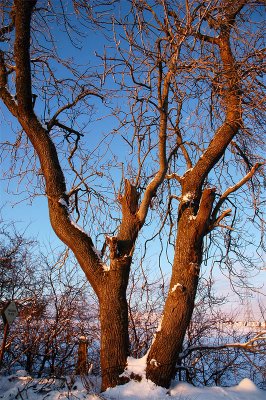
{"x":193,"y":220}
{"x":179,"y":305}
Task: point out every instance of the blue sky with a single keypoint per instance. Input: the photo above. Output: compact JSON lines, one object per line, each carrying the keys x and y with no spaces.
{"x":33,"y":215}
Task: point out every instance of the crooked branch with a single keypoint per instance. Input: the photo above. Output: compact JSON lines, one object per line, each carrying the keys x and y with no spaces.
{"x":253,"y":345}
{"x":234,"y":188}
{"x":53,"y":121}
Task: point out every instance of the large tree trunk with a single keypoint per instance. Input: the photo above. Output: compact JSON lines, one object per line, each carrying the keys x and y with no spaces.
{"x":179,"y":305}
{"x":114,"y":324}
{"x":112,"y":296}
{"x":194,"y":212}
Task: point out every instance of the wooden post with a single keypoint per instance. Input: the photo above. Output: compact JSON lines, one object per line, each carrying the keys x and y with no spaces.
{"x":82,"y":366}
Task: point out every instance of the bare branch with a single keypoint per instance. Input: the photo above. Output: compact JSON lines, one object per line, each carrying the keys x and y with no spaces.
{"x":4,"y":93}
{"x":253,"y":345}
{"x":233,"y":119}
{"x":216,"y":223}
{"x":8,"y":28}
{"x":234,"y":188}
{"x":160,"y":175}
{"x":174,"y":176}
{"x":53,"y":121}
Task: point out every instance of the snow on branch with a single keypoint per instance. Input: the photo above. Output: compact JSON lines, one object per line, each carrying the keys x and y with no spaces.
{"x":256,"y":344}
{"x":174,"y":176}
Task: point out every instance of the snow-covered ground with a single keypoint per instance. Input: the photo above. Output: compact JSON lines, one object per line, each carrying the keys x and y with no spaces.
{"x":23,"y":387}
{"x":246,"y":390}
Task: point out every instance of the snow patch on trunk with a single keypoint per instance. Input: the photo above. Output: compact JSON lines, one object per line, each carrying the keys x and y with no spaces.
{"x":187,"y":171}
{"x":175,"y":287}
{"x":97,"y":252}
{"x":106,"y":267}
{"x":13,"y":96}
{"x":155,"y":363}
{"x":63,"y":203}
{"x":187,"y":197}
{"x":76,"y":225}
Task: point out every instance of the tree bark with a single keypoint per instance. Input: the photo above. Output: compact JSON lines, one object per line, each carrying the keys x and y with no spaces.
{"x":194,"y":222}
{"x":82,"y":366}
{"x":194,"y":211}
{"x":179,"y":305}
{"x":112,"y":297}
{"x":114,"y":324}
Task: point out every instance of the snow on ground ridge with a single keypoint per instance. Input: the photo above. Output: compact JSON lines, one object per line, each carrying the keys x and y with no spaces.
{"x":23,"y":387}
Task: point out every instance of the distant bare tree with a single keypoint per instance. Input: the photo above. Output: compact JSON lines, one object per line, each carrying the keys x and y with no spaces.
{"x":55,"y":308}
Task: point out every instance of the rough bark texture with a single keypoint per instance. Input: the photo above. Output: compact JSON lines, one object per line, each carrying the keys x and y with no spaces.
{"x":114,"y":324}
{"x":195,"y":211}
{"x":195,"y":214}
{"x":82,"y":366}
{"x":109,"y":286}
{"x":183,"y":287}
{"x":113,"y":302}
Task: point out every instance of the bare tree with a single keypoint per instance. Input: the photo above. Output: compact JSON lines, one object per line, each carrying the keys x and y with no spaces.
{"x":109,"y":283}
{"x":191,"y":72}
{"x":55,"y":308}
{"x":198,"y":213}
{"x":190,"y":65}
